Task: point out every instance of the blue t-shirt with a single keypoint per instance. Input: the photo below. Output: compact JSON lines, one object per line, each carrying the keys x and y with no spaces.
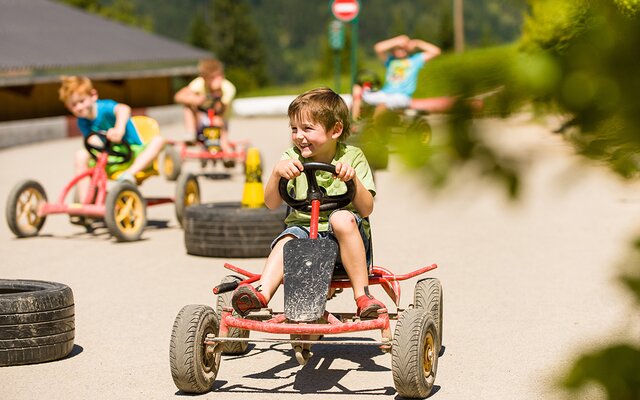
{"x":105,"y":120}
{"x":402,"y":74}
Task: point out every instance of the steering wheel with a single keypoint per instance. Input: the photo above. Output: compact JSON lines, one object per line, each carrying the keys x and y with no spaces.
{"x":121,"y":156}
{"x":213,"y":102}
{"x":314,"y":192}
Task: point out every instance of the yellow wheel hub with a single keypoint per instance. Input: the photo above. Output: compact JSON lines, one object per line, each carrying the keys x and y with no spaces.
{"x":129,"y":212}
{"x":429,"y":355}
{"x":27,"y":208}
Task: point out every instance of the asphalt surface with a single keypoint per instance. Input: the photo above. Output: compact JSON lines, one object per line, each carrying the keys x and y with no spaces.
{"x":526,"y":284}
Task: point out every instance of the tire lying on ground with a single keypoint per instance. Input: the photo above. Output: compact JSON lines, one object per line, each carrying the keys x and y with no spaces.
{"x":230,"y":230}
{"x":37,"y":321}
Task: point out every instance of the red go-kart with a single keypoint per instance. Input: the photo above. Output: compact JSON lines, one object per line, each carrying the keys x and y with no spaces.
{"x":205,"y":148}
{"x":200,"y":335}
{"x":122,"y":206}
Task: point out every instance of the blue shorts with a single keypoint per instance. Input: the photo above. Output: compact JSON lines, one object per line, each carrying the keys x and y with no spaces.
{"x":303,"y":233}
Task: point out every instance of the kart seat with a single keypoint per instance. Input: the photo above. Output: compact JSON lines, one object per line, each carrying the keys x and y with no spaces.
{"x":147,"y":128}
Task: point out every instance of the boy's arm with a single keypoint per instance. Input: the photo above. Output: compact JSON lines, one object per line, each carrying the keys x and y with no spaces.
{"x":429,"y":50}
{"x":287,"y":168}
{"x":363,"y":200}
{"x":381,"y":48}
{"x":122,"y":113}
{"x":188,"y":97}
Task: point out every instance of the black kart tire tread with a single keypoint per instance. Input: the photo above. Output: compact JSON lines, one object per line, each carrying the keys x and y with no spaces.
{"x":406,"y":354}
{"x":185,"y":355}
{"x":37,"y":321}
{"x":224,"y":300}
{"x":229,"y":230}
{"x":428,"y":295}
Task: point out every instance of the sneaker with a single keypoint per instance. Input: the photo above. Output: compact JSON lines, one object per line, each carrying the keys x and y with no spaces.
{"x":246,"y":298}
{"x":127,"y":177}
{"x":368,"y":306}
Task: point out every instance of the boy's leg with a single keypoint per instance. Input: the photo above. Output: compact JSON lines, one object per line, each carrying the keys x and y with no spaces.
{"x":191,"y":122}
{"x":354,"y":260}
{"x":146,"y":157}
{"x":246,"y":297}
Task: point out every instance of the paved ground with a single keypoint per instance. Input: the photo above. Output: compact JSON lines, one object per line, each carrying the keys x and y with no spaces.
{"x":526,"y":284}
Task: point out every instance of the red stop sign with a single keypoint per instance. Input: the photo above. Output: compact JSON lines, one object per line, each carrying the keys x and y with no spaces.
{"x":345,"y":10}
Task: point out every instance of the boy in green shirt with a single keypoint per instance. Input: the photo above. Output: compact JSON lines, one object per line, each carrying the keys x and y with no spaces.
{"x":320,"y":123}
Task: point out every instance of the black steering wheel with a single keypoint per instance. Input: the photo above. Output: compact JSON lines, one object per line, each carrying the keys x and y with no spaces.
{"x":122,"y":156}
{"x":314,"y":192}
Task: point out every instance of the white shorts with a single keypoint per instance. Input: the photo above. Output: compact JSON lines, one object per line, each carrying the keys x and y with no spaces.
{"x":391,"y":100}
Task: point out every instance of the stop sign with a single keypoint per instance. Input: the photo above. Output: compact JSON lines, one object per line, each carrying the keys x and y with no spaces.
{"x":345,"y":10}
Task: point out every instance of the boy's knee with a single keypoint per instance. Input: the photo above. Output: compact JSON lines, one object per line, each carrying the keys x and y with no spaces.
{"x":343,"y":222}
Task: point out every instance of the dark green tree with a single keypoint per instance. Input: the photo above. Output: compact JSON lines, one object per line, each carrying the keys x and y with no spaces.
{"x":200,"y":32}
{"x":238,"y":44}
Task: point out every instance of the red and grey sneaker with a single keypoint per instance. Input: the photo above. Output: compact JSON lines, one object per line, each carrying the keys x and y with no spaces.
{"x":246,"y":298}
{"x":368,"y":306}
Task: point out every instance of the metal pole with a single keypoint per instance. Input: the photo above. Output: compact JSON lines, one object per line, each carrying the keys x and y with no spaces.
{"x":354,"y":50}
{"x":458,"y":26}
{"x":337,"y":58}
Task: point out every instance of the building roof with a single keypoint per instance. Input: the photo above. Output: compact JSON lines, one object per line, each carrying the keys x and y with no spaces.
{"x":39,"y":38}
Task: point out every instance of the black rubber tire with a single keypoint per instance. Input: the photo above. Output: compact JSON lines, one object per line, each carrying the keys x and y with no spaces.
{"x":127,"y":229}
{"x":224,"y":300}
{"x":191,"y":369}
{"x":187,"y":194}
{"x":33,"y":223}
{"x":171,"y":163}
{"x":37,"y":321}
{"x":428,"y":295}
{"x":414,"y":357}
{"x":228,"y":230}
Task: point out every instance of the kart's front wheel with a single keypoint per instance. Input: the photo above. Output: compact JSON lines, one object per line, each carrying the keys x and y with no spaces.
{"x":23,"y":204}
{"x":194,"y":365}
{"x":125,"y":212}
{"x":427,"y":295}
{"x":187,"y":194}
{"x":414,"y":355}
{"x":171,"y":163}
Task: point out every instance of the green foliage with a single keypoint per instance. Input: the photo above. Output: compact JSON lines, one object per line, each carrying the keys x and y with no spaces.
{"x":116,"y":10}
{"x":237,"y":43}
{"x":199,"y":33}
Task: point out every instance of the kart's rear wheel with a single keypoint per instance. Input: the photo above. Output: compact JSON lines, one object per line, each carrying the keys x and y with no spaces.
{"x":414,"y":355}
{"x":428,"y":295}
{"x":125,"y":212}
{"x":23,"y":204}
{"x":224,"y":300}
{"x":194,"y":365}
{"x":187,"y":194}
{"x":171,"y":163}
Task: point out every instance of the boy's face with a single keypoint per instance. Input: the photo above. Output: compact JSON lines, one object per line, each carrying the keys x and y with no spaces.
{"x":313,"y":140}
{"x":81,"y":104}
{"x":214,"y":81}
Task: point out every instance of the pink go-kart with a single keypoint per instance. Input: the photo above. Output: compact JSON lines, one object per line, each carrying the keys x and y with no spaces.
{"x":121,"y":206}
{"x":201,"y":334}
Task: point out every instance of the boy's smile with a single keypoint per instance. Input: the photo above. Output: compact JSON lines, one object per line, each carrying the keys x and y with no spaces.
{"x":81,"y":105}
{"x":313,"y":141}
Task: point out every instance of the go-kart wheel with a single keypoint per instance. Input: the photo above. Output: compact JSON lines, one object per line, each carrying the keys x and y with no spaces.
{"x":194,"y":365}
{"x":419,"y":129}
{"x":125,"y":212}
{"x":228,"y":230}
{"x":414,"y":355}
{"x":171,"y":163}
{"x":427,"y":295}
{"x":23,"y":204}
{"x":224,"y":300}
{"x":187,"y":194}
{"x":314,"y":192}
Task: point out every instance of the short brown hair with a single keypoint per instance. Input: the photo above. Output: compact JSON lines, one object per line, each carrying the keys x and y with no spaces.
{"x":210,"y":66}
{"x":324,"y":106}
{"x":74,"y":84}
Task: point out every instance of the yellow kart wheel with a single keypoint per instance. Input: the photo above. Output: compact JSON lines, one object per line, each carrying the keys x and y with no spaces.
{"x":187,"y":194}
{"x":414,"y":354}
{"x":125,"y":212}
{"x":22,"y":209}
{"x":171,"y":163}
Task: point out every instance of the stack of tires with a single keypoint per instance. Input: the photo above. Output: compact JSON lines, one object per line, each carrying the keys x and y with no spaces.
{"x":37,"y":321}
